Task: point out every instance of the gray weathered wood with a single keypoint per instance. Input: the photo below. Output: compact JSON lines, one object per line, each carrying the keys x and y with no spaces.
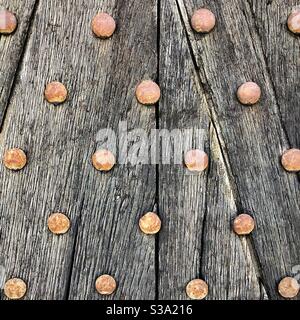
{"x":252,"y":138}
{"x":59,"y":141}
{"x":228,"y":262}
{"x":12,"y":47}
{"x":281,"y":48}
{"x":198,"y":76}
{"x":196,"y":239}
{"x":108,"y":237}
{"x":182,"y":197}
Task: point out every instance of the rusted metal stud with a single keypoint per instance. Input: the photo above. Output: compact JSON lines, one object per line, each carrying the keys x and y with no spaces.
{"x":293,"y":21}
{"x":103,"y":25}
{"x":288,"y":287}
{"x":105,"y":284}
{"x":203,"y":20}
{"x":196,"y":160}
{"x":15,"y":288}
{"x":249,"y":93}
{"x":147,"y":92}
{"x":103,"y":160}
{"x":243,"y":224}
{"x":8,"y":22}
{"x":197,"y":289}
{"x":58,"y":223}
{"x":290,"y":160}
{"x":56,"y":93}
{"x":150,"y":223}
{"x":14,"y":159}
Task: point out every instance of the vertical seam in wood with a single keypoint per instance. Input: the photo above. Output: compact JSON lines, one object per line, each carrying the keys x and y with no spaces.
{"x":24,"y":49}
{"x":73,"y":251}
{"x":204,"y":217}
{"x":70,"y":271}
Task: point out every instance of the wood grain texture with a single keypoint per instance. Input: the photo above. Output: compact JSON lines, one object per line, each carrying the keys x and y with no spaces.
{"x":281,"y":48}
{"x":182,"y":196}
{"x":228,"y":261}
{"x":198,"y":76}
{"x":196,"y":239}
{"x":12,"y":47}
{"x":252,"y":138}
{"x":109,"y":239}
{"x":59,"y":142}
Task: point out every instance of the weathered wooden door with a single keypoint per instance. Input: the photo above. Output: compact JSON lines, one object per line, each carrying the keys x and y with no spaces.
{"x":198,"y":76}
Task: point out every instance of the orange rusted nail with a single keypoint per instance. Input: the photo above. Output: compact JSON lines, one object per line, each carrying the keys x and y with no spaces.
{"x":14,"y":159}
{"x":150,"y":223}
{"x":203,"y":20}
{"x":103,"y":160}
{"x":196,"y":160}
{"x":58,"y":223}
{"x":290,"y":160}
{"x":103,"y":25}
{"x":197,"y":289}
{"x":147,"y":92}
{"x":288,"y":287}
{"x":243,"y":224}
{"x":56,"y":92}
{"x":249,"y":93}
{"x":293,"y":21}
{"x":15,"y":288}
{"x":8,"y":22}
{"x":105,"y":284}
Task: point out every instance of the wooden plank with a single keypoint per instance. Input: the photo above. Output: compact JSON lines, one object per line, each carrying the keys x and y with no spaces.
{"x":228,"y":262}
{"x":281,"y":48}
{"x":252,"y":139}
{"x":108,"y":238}
{"x":59,"y":141}
{"x":196,"y":239}
{"x":198,"y":76}
{"x":12,"y":47}
{"x":49,"y":181}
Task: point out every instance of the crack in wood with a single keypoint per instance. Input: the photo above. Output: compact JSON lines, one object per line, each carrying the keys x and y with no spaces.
{"x":18,"y":67}
{"x":268,"y":71}
{"x":204,"y":89}
{"x":265,"y":61}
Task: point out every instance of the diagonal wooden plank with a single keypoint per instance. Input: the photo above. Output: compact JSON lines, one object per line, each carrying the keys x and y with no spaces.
{"x":12,"y":46}
{"x":59,"y":141}
{"x":228,"y":260}
{"x":252,"y":138}
{"x":280,"y":48}
{"x":196,"y":239}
